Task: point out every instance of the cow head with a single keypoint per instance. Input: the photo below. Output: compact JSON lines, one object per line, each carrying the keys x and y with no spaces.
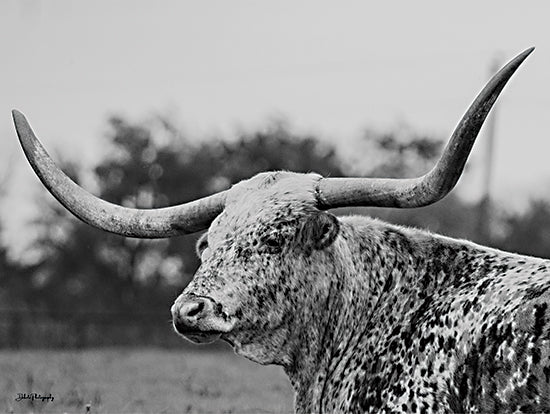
{"x":255,"y":257}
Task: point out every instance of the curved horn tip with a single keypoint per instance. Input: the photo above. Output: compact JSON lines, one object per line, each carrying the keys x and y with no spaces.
{"x":19,"y":120}
{"x":526,"y":52}
{"x":514,"y":63}
{"x":26,"y":136}
{"x":16,"y":113}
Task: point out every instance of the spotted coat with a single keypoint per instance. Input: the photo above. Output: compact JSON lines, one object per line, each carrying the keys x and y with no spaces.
{"x":365,"y":316}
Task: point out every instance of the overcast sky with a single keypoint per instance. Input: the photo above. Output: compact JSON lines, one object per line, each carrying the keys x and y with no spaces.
{"x":332,"y":68}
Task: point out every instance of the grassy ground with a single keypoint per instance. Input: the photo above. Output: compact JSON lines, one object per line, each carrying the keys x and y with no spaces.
{"x":141,"y":381}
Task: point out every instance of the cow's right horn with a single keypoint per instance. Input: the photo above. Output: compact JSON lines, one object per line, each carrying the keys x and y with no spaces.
{"x":431,"y":187}
{"x":143,"y":223}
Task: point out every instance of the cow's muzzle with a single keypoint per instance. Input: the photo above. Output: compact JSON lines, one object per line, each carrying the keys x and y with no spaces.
{"x":199,"y":319}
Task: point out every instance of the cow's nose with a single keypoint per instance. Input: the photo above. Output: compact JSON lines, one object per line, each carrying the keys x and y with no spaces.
{"x":192,"y":310}
{"x":187,"y":311}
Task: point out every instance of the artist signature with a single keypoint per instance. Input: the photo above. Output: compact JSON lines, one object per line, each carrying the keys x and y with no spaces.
{"x":33,"y":396}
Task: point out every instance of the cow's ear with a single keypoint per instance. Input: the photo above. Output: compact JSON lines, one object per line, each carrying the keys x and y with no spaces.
{"x":319,"y":230}
{"x":201,"y":245}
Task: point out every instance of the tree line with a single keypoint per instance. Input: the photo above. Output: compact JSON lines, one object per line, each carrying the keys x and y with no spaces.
{"x":153,"y":164}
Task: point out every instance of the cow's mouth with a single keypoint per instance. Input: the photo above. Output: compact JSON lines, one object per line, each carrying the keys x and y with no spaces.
{"x":201,"y":337}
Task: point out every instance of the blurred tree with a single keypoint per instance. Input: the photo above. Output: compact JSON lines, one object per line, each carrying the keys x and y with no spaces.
{"x":404,"y":153}
{"x":10,"y":271}
{"x":81,"y":269}
{"x":276,"y":148}
{"x":528,"y":232}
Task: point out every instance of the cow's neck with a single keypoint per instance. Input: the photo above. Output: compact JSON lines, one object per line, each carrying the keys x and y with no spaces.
{"x":382,"y":265}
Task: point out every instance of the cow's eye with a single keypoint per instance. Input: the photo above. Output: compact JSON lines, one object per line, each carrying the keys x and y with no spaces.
{"x":272,"y":243}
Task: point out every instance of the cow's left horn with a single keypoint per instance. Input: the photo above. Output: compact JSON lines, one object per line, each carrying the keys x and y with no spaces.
{"x":144,"y":223}
{"x":431,"y":187}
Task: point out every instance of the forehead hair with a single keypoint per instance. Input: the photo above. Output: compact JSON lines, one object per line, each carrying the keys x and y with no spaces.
{"x":272,"y":195}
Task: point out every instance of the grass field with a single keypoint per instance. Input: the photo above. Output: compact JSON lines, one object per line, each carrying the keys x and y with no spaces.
{"x":141,"y":381}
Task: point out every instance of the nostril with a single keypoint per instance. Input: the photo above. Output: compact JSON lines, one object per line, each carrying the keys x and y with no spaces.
{"x":195,"y":309}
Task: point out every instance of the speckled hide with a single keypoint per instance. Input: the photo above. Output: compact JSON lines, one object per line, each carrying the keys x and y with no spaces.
{"x":365,"y":316}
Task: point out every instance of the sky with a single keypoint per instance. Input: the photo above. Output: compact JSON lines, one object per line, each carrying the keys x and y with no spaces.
{"x":218,"y":67}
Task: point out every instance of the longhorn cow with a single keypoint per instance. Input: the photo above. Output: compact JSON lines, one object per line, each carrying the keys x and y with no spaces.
{"x":363,"y":316}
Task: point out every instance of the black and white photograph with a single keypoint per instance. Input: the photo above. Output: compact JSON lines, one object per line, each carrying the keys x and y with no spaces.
{"x":274,"y":207}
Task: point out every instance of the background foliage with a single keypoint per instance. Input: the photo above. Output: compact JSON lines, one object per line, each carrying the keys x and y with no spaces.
{"x":84,"y":280}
